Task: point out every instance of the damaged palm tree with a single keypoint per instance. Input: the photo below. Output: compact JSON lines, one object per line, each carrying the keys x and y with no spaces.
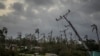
{"x":43,"y":37}
{"x":37,"y":31}
{"x":71,"y":40}
{"x":79,"y":37}
{"x":64,"y":32}
{"x":50,"y":36}
{"x":3,"y":34}
{"x":19,"y":39}
{"x":94,"y":27}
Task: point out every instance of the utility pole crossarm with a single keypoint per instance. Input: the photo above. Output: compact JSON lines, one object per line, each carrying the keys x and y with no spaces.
{"x":59,"y":18}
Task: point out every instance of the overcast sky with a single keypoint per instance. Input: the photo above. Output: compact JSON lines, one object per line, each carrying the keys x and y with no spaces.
{"x":27,"y":15}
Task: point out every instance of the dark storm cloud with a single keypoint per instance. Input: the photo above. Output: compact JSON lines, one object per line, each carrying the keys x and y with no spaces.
{"x":10,"y":19}
{"x":45,"y":20}
{"x":97,"y":16}
{"x":2,"y":6}
{"x":18,"y":7}
{"x":41,"y":2}
{"x":19,"y":10}
{"x":15,"y":24}
{"x":91,"y":6}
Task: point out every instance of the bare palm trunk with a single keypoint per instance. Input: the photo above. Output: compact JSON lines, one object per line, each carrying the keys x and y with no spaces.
{"x":65,"y":36}
{"x":98,"y":39}
{"x":38,"y":36}
{"x":96,"y":29}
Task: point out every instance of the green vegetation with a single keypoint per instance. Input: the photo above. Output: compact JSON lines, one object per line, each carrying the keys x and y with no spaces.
{"x":29,"y":45}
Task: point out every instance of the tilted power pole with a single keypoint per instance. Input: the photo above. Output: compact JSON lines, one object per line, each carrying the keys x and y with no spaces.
{"x":79,"y":37}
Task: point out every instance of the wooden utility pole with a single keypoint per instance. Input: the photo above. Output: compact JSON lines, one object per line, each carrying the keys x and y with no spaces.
{"x":80,"y":39}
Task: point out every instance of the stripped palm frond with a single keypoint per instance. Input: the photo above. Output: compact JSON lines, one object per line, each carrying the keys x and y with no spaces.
{"x":4,"y":30}
{"x":94,"y":27}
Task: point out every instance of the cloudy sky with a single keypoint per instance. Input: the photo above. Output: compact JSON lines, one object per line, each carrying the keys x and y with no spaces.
{"x":27,"y":15}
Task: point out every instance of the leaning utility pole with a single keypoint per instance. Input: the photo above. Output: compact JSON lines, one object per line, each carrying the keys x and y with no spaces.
{"x":80,"y":39}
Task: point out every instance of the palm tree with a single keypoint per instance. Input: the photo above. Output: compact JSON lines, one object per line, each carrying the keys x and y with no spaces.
{"x":37,"y":31}
{"x":19,"y":35}
{"x":94,"y":27}
{"x":43,"y":37}
{"x":71,"y":40}
{"x":86,"y":37}
{"x":4,"y":30}
{"x":64,"y":32}
{"x":61,"y":39}
{"x":3,"y":34}
{"x":19,"y":38}
{"x":50,"y":35}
